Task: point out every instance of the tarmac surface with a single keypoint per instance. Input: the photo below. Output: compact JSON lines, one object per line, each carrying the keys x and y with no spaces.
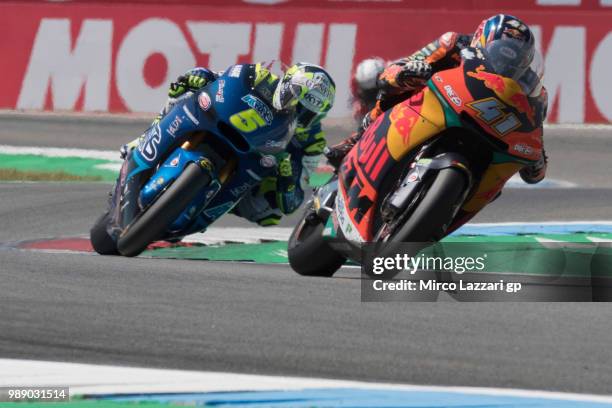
{"x":265,"y":319}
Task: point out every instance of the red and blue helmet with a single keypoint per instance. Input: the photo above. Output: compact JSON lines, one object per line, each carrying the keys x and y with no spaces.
{"x":508,"y":41}
{"x":502,"y":26}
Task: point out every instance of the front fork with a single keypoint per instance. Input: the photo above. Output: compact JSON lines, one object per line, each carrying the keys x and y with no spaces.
{"x":131,"y":196}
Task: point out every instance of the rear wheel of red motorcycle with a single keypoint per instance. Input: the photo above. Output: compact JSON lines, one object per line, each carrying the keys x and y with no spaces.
{"x":151,"y":225}
{"x":309,"y":254}
{"x":434,"y":213}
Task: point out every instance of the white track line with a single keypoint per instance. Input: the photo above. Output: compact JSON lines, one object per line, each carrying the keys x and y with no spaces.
{"x":252,"y":235}
{"x":506,"y":224}
{"x":105,"y":379}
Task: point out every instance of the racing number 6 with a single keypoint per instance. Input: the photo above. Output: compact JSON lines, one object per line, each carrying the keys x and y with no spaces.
{"x":247,"y":120}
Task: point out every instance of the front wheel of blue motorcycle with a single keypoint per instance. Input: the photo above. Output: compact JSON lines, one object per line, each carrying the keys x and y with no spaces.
{"x":152,"y":223}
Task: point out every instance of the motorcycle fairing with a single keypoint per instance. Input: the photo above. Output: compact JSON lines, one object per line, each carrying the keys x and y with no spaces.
{"x":496,"y":103}
{"x":380,"y":150}
{"x":237,"y":116}
{"x":415,"y":121}
{"x":472,"y":86}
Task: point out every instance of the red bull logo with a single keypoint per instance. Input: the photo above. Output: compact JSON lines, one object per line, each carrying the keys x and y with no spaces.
{"x":506,"y":89}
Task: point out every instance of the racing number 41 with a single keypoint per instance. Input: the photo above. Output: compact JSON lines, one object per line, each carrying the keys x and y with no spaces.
{"x":247,"y":120}
{"x":490,"y":110}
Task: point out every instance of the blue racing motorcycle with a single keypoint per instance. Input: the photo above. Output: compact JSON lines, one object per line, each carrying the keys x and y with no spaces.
{"x":193,"y":166}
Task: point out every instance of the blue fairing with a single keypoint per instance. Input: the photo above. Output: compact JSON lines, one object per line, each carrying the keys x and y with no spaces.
{"x":218,"y":110}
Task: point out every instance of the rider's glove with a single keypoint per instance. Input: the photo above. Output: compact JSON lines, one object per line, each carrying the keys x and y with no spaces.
{"x":535,"y":173}
{"x":192,"y":80}
{"x":177,"y":88}
{"x":186,"y":83}
{"x":413,"y":74}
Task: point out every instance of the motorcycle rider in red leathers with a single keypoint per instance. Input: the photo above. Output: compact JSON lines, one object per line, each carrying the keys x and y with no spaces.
{"x":402,"y":78}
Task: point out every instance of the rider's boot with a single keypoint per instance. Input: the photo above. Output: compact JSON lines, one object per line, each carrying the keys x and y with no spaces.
{"x":336,"y":153}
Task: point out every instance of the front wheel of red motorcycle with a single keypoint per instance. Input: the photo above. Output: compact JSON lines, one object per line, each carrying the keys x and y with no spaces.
{"x":431,"y":217}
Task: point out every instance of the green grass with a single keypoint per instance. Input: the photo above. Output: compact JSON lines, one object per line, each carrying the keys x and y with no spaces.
{"x":19,"y":175}
{"x":71,"y":165}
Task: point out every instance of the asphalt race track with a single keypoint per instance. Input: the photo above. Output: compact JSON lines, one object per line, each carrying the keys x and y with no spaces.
{"x":265,"y":319}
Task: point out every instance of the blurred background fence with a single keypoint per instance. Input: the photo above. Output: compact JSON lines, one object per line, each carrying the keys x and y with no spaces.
{"x":119,"y":56}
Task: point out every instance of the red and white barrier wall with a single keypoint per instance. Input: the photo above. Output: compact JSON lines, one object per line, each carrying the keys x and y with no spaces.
{"x":119,"y":56}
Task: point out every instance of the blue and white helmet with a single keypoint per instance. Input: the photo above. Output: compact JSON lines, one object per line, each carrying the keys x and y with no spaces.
{"x":308,"y":88}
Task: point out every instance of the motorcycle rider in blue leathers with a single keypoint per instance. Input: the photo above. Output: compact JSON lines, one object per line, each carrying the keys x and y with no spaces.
{"x":308,"y":87}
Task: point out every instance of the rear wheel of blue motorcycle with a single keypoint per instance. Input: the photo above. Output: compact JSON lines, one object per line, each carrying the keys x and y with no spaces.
{"x":309,"y":254}
{"x":151,"y":224}
{"x":101,"y":241}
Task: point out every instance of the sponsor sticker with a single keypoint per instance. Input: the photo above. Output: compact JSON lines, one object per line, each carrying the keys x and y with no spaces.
{"x":190,"y":115}
{"x":235,"y":71}
{"x":312,"y":101}
{"x":523,"y":149}
{"x":204,"y":101}
{"x":148,"y":148}
{"x":345,"y":224}
{"x":174,"y":125}
{"x":260,"y":107}
{"x":219,"y":96}
{"x":452,"y":95}
{"x":174,"y":162}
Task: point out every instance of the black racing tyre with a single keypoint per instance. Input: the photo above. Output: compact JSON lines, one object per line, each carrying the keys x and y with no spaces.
{"x":101,"y":241}
{"x":430,"y":219}
{"x":153,"y":222}
{"x":309,"y":254}
{"x":428,"y":222}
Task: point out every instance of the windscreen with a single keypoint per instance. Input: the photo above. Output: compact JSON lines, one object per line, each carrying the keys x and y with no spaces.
{"x":509,"y":57}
